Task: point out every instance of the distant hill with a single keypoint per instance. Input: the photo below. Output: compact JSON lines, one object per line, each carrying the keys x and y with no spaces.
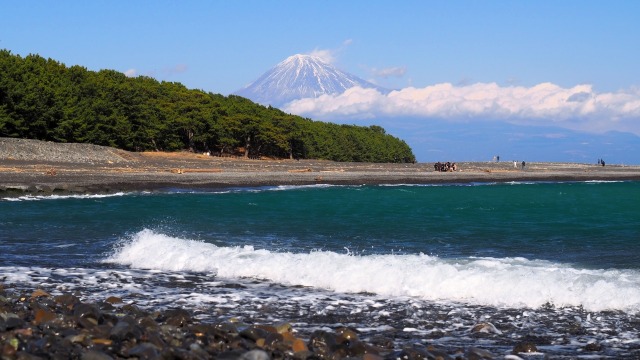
{"x":43,"y":99}
{"x":301,"y":76}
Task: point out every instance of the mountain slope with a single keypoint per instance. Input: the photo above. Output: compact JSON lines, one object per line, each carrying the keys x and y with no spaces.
{"x":300,"y":76}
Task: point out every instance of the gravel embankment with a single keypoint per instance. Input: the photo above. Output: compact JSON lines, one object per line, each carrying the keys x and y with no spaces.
{"x":50,"y":152}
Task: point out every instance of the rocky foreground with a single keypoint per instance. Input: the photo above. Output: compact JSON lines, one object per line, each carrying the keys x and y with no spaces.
{"x":36,"y":167}
{"x":38,"y":325}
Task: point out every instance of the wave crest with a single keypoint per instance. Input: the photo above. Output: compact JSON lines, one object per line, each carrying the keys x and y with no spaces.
{"x":510,"y":282}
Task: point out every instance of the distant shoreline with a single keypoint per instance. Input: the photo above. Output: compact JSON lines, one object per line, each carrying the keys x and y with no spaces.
{"x":36,"y":167}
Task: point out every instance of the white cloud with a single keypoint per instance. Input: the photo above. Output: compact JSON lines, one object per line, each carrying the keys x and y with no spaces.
{"x":164,"y":72}
{"x":578,"y":107}
{"x":327,"y":55}
{"x":396,"y":71}
{"x":330,"y":56}
{"x":175,"y":69}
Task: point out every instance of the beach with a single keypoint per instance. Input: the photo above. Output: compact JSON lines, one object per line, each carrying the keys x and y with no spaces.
{"x":36,"y":167}
{"x":113,"y":254}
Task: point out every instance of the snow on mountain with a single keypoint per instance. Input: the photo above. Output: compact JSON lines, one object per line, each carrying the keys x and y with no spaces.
{"x":301,"y":76}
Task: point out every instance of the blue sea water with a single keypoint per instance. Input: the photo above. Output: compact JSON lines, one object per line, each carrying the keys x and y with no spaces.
{"x":534,"y":259}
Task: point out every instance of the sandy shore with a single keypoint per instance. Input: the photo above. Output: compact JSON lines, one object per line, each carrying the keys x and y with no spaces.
{"x":28,"y":166}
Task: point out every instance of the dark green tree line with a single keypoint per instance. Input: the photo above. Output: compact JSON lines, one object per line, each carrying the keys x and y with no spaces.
{"x":46,"y":100}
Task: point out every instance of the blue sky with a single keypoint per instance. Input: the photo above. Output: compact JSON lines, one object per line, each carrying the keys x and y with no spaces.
{"x":556,"y":69}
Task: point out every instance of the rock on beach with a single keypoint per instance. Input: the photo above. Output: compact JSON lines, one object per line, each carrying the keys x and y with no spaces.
{"x":40,"y":325}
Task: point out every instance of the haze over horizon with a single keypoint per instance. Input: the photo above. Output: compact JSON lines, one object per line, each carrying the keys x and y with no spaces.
{"x":525,"y":80}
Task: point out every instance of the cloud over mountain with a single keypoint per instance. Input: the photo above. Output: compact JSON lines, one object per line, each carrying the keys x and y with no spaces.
{"x":546,"y":104}
{"x":472,"y":121}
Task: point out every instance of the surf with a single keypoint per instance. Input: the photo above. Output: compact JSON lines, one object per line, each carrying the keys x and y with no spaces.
{"x":501,"y":282}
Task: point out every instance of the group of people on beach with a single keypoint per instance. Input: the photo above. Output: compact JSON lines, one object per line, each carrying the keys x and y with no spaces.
{"x":445,"y":167}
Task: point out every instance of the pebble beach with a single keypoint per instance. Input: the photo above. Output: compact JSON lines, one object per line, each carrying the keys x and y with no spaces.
{"x":36,"y":167}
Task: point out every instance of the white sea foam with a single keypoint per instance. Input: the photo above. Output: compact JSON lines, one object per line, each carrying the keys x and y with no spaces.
{"x":604,"y":181}
{"x":512,"y":282}
{"x":295,"y":187}
{"x":58,"y":197}
{"x":250,"y":189}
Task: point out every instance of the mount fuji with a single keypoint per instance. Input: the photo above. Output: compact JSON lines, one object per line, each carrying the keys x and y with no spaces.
{"x":301,"y":76}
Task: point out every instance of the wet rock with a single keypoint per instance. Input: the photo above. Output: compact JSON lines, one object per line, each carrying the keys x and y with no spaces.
{"x":525,"y":347}
{"x":101,"y":331}
{"x":275,"y":341}
{"x":39,"y":293}
{"x":86,"y":323}
{"x":474,"y":353}
{"x":240,"y":343}
{"x":230,"y":355}
{"x":105,"y":306}
{"x":323,"y":343}
{"x":347,"y":334}
{"x":87,"y":311}
{"x":254,"y":333}
{"x":144,"y":351}
{"x":299,"y":346}
{"x":593,"y":346}
{"x":226,"y":327}
{"x":283,"y":328}
{"x":113,"y":300}
{"x":177,"y":317}
{"x":268,"y":328}
{"x":95,"y":355}
{"x":126,"y":328}
{"x":10,"y":347}
{"x":12,"y":321}
{"x":382,"y":342}
{"x":437,"y":354}
{"x":43,"y":316}
{"x":372,"y":357}
{"x":422,"y":354}
{"x":67,"y":300}
{"x":133,"y":310}
{"x":148,"y":323}
{"x":576,"y":329}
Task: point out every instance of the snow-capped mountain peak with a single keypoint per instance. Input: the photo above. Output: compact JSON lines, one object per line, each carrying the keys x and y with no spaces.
{"x":300,"y":76}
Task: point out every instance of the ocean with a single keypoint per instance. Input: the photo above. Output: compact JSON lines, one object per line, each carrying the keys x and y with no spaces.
{"x":554,"y":263}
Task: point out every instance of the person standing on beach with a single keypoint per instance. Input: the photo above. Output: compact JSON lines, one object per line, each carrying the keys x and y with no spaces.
{"x":523,"y":164}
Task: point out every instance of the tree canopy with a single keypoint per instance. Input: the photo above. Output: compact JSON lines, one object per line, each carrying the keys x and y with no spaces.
{"x":45,"y":100}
